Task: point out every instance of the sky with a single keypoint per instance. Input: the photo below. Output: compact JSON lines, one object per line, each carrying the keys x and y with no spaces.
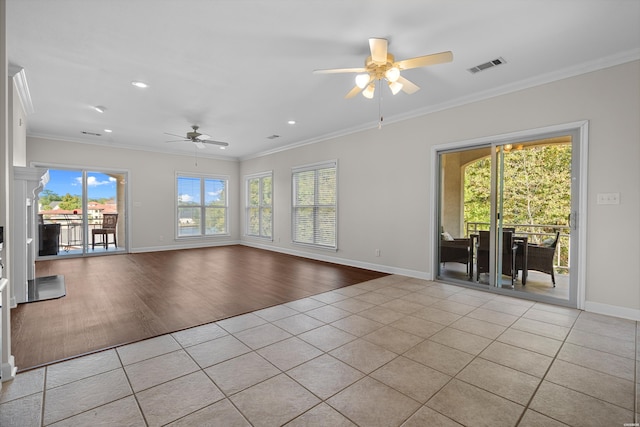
{"x":99,"y":185}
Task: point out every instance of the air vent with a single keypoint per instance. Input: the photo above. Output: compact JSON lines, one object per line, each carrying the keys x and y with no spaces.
{"x":91,"y":133}
{"x":273,"y":136}
{"x":486,"y":65}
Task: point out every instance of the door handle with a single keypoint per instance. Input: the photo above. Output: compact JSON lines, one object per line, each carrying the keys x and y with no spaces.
{"x":573,"y":220}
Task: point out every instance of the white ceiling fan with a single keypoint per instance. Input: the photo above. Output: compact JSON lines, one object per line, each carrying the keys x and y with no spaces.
{"x":199,"y":139}
{"x":381,"y":65}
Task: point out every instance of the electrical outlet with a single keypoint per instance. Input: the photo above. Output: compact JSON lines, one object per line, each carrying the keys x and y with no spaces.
{"x":608,"y":198}
{"x":377,"y":252}
{"x":161,"y":238}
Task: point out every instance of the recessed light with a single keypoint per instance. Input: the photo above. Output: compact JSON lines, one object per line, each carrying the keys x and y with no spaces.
{"x":108,"y":130}
{"x":141,"y":85}
{"x":100,"y":108}
{"x":292,"y":122}
{"x":223,"y":148}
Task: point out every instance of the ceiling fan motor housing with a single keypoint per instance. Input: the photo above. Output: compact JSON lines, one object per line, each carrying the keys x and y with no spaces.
{"x":378,"y":70}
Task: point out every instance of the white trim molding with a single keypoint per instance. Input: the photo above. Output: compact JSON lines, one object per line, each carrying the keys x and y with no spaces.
{"x":612,"y":310}
{"x":582,"y":127}
{"x":20,"y":80}
{"x":8,"y":367}
{"x":425,"y":275}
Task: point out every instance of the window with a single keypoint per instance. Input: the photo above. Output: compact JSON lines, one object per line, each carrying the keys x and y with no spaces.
{"x":201,"y":198}
{"x":260,"y":205}
{"x":315,"y":205}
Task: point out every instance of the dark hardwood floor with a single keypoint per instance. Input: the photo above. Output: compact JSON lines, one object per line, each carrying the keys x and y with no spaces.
{"x":119,"y":299}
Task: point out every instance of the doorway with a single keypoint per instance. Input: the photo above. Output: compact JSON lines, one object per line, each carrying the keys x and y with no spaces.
{"x":507,"y":212}
{"x":87,"y":210}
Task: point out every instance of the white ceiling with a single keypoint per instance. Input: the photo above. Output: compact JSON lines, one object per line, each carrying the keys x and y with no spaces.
{"x":241,"y":69}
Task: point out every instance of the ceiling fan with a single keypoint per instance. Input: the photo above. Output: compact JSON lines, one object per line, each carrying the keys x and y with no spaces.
{"x":381,"y":65}
{"x":199,"y":139}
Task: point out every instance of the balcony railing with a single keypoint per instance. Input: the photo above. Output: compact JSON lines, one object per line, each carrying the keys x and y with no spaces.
{"x":536,"y":234}
{"x":71,"y":229}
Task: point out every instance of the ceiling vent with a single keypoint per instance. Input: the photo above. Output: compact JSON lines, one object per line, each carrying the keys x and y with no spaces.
{"x":91,"y":133}
{"x":273,"y":136}
{"x":486,"y":65}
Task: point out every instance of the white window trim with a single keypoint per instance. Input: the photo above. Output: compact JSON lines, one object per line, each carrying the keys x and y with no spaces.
{"x":176,"y":207}
{"x":304,"y":168}
{"x":246,"y":206}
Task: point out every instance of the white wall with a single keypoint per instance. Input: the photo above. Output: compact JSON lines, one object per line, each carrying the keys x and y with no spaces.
{"x":17,"y":127}
{"x":385,"y":176}
{"x":384,"y":180}
{"x":151,"y":187}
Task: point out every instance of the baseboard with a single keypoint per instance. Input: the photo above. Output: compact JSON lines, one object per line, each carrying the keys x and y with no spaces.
{"x":8,"y":370}
{"x":185,"y":245}
{"x":612,"y":310}
{"x":342,"y":261}
{"x":594,"y":307}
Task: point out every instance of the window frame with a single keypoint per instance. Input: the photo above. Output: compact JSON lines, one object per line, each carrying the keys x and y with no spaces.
{"x":260,"y":206}
{"x":330,"y":164}
{"x":202,"y":206}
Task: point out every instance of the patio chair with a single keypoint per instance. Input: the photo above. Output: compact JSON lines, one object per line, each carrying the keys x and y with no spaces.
{"x":455,"y":250}
{"x":540,"y":257}
{"x":509,"y":249}
{"x":107,"y":227}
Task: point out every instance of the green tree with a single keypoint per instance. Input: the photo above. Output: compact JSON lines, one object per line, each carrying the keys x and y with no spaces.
{"x":537,"y":186}
{"x":70,"y":202}
{"x":537,"y":190}
{"x":46,"y":197}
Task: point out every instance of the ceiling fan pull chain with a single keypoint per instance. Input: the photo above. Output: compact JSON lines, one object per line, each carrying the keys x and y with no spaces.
{"x":380,"y":104}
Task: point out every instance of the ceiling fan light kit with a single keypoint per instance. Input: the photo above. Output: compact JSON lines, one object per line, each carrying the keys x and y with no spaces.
{"x":395,"y":87}
{"x":362,"y":80}
{"x":382,"y":65}
{"x":368,"y":92}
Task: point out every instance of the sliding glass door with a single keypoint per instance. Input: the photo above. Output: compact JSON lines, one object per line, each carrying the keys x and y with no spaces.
{"x":506,"y":216}
{"x":82,"y":212}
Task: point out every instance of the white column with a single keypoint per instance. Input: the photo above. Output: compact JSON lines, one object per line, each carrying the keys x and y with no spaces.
{"x":7,"y":366}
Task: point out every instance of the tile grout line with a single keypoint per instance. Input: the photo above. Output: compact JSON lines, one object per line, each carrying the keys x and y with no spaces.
{"x":546,"y":372}
{"x":636,"y":385}
{"x":133,"y":393}
{"x":475,"y":357}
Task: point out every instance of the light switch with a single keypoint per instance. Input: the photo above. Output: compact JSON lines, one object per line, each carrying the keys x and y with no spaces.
{"x":608,"y":198}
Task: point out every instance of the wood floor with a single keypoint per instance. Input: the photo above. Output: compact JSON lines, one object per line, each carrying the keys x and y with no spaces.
{"x":119,"y":299}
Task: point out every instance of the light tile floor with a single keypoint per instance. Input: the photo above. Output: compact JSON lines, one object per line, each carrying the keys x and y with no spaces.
{"x":388,"y":352}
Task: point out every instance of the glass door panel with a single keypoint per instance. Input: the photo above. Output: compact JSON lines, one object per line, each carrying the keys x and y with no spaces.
{"x":60,"y":212}
{"x":461,"y":214}
{"x":72,"y":204}
{"x":536,"y":202}
{"x":105,"y":206}
{"x":508,"y":206}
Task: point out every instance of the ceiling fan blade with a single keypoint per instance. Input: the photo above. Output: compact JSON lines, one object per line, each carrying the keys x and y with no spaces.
{"x":173,"y":134}
{"x":179,"y":140}
{"x":408,"y":87}
{"x":378,"y":49}
{"x":199,"y":144}
{"x":340,"y":70}
{"x":220,"y":143}
{"x":423,"y":61}
{"x":353,"y":92}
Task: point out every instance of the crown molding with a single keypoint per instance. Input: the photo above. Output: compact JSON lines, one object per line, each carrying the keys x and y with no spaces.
{"x":577,"y":70}
{"x":20,"y":80}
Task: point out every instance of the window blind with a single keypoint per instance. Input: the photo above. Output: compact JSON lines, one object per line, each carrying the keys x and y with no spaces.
{"x":315,"y":205}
